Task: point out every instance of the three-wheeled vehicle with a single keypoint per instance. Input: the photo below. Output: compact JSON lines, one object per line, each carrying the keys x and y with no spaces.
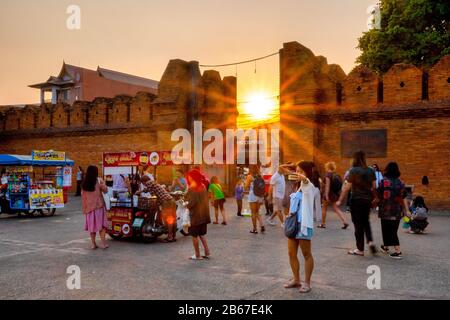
{"x":130,"y":215}
{"x":34,"y":185}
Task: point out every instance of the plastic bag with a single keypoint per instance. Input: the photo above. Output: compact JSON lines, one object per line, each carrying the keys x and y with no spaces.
{"x":183,"y":218}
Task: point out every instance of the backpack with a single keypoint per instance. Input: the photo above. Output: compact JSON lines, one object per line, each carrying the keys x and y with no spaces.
{"x":336,"y":184}
{"x":259,"y":186}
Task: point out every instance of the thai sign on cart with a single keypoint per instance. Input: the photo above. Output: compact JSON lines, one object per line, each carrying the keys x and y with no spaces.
{"x":129,"y":159}
{"x":48,"y":155}
{"x":46,"y":198}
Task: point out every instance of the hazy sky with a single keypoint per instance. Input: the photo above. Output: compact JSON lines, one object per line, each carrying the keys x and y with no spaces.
{"x":141,"y":36}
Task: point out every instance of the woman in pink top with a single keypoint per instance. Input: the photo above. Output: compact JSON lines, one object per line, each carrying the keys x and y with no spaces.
{"x":94,"y":206}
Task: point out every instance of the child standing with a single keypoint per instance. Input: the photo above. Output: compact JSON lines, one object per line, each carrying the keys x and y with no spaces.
{"x":218,"y":197}
{"x":239,"y":196}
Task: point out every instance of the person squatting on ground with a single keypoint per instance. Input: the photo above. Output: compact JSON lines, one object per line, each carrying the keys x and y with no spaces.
{"x":392,"y":206}
{"x":256,"y":186}
{"x":304,"y":203}
{"x":168,"y":206}
{"x":94,"y":206}
{"x":218,"y":200}
{"x":198,"y":205}
{"x":419,"y":215}
{"x":332,"y":191}
{"x":362,"y":182}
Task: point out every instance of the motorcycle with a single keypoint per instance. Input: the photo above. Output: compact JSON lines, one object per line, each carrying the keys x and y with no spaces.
{"x":146,"y":222}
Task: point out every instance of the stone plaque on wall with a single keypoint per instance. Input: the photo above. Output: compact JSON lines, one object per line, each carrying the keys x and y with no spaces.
{"x":372,"y":142}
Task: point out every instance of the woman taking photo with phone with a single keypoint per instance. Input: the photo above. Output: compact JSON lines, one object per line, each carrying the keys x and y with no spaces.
{"x":305,"y":203}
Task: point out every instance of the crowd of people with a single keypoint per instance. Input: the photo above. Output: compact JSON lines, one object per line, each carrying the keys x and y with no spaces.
{"x":296,"y":195}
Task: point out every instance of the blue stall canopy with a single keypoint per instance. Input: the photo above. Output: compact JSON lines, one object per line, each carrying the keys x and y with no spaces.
{"x":21,"y":160}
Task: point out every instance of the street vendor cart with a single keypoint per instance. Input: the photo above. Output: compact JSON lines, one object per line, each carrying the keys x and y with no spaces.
{"x":36,"y":184}
{"x":131,"y":215}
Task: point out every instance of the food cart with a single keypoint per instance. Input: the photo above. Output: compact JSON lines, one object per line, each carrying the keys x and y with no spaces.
{"x":36,"y":184}
{"x":130,"y":216}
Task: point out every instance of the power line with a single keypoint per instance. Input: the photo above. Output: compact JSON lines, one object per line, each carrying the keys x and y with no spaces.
{"x":238,"y":63}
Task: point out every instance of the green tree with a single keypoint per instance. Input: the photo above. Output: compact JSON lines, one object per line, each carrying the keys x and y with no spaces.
{"x":412,"y":31}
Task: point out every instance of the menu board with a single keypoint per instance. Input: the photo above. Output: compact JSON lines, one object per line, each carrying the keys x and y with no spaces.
{"x":46,"y":199}
{"x":128,"y":159}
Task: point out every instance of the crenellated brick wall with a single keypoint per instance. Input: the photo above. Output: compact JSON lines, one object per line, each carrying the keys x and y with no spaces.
{"x":144,"y":122}
{"x":318,"y":101}
{"x":413,"y":105}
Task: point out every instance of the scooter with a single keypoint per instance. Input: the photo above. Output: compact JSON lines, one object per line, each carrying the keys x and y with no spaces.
{"x":154,"y":227}
{"x":147,"y":224}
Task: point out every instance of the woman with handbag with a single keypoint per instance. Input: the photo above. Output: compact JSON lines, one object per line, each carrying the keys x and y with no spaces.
{"x":299,"y":226}
{"x":94,"y":206}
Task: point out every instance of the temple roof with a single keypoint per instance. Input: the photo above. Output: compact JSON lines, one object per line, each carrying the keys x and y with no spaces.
{"x":69,"y":73}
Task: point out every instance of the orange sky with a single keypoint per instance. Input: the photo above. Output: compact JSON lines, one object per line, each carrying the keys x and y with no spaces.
{"x":140,"y":36}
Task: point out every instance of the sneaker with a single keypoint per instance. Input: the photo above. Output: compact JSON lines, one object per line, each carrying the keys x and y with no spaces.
{"x":384,"y":249}
{"x":282,"y":225}
{"x":396,"y":255}
{"x":271,"y":222}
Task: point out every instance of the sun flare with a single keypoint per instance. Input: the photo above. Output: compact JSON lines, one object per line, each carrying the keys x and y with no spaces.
{"x":259,"y":106}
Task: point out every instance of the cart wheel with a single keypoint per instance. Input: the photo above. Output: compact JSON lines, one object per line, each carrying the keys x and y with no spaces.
{"x":149,"y":239}
{"x":32,"y":213}
{"x":47,"y":212}
{"x":115,"y":236}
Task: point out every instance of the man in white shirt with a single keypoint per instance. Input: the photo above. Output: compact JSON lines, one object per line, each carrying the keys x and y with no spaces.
{"x":276,"y":195}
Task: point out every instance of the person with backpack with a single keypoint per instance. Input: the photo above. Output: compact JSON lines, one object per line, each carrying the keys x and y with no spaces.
{"x":333,"y":187}
{"x":393,"y":205}
{"x":257,"y":188}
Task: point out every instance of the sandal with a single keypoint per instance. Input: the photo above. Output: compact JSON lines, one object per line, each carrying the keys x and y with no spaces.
{"x":355,"y":252}
{"x":346,"y":225}
{"x":224,"y":223}
{"x":254,"y":231}
{"x":206,"y":257}
{"x":321,"y":226}
{"x":305,"y":289}
{"x":194,"y":257}
{"x":215,"y":222}
{"x":263,"y":229}
{"x":292,"y":284}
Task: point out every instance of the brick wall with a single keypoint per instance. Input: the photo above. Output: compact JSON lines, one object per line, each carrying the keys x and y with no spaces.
{"x":124,"y":123}
{"x":418,"y":125}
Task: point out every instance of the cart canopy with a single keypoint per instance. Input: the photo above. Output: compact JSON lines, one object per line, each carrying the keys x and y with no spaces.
{"x":23,"y":160}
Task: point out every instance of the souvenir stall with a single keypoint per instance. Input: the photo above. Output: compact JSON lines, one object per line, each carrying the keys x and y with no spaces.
{"x":36,"y":184}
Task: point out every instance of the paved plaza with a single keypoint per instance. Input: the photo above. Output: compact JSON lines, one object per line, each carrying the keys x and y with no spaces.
{"x":35,"y":253}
